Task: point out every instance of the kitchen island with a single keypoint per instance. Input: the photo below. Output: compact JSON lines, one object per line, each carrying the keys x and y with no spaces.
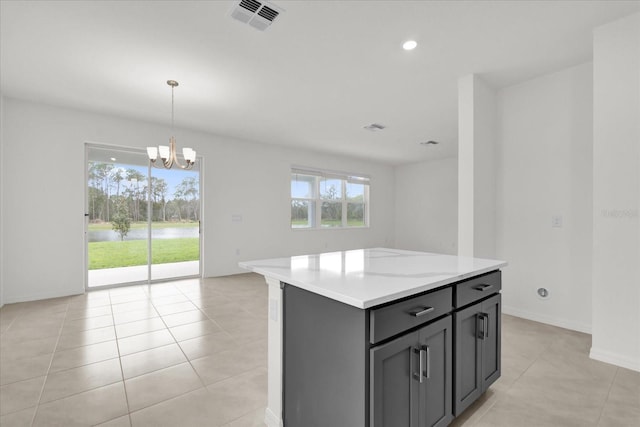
{"x":379,"y":337}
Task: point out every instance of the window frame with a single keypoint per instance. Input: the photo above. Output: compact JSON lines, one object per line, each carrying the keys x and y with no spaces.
{"x":316,"y":200}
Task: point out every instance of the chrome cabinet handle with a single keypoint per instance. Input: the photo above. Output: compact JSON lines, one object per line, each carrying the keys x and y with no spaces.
{"x":484,"y":333}
{"x":423,"y":363}
{"x":421,"y":311}
{"x":482,"y":288}
{"x":418,"y":375}
{"x":480,"y":327}
{"x":486,"y":325}
{"x":427,"y":352}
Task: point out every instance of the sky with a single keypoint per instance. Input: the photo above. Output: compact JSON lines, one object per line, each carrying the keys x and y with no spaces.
{"x":173,"y":177}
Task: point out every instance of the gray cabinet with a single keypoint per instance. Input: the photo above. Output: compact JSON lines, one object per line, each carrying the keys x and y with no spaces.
{"x":411,"y":378}
{"x":477,"y":350}
{"x":414,"y":362}
{"x":394,"y":390}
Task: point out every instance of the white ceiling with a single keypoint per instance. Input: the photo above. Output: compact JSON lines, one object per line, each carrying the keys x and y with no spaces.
{"x":323,"y":70}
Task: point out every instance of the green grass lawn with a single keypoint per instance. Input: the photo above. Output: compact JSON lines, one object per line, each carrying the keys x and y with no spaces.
{"x":134,"y":252}
{"x":143,"y":224}
{"x":331,"y":223}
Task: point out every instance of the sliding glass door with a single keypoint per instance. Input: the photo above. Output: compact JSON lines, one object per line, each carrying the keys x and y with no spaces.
{"x":142,"y":223}
{"x":175,"y":220}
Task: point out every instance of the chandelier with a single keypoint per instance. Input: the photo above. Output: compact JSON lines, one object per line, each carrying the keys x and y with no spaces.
{"x":166,"y":155}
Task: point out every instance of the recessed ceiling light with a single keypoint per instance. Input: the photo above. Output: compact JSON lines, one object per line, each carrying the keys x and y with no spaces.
{"x":113,"y":159}
{"x":410,"y":45}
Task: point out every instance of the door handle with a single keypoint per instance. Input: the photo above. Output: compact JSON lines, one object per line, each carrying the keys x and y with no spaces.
{"x":482,"y":288}
{"x":421,"y":311}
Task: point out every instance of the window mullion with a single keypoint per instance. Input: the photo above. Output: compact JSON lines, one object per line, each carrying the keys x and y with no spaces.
{"x":344,"y":203}
{"x":318,"y":223}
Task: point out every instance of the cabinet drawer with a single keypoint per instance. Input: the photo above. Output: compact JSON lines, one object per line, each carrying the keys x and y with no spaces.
{"x":393,"y":319}
{"x":477,"y":288}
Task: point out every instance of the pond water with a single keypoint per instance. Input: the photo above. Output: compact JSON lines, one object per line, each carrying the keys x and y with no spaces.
{"x":141,"y":234}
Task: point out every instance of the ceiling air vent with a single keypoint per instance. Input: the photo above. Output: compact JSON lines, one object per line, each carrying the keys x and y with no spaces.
{"x":258,"y":14}
{"x":374,"y":127}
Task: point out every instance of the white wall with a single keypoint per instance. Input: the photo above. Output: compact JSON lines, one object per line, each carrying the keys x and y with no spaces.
{"x":485,"y":141}
{"x":616,"y":193}
{"x":544,"y":169}
{"x":427,"y":206}
{"x":44,"y":199}
{"x":1,"y":199}
{"x":477,"y":134}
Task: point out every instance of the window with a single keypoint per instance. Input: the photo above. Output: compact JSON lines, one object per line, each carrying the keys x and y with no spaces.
{"x":322,"y":199}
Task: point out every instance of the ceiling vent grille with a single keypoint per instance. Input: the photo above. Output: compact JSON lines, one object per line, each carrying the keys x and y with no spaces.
{"x":258,"y":14}
{"x":375,"y":127}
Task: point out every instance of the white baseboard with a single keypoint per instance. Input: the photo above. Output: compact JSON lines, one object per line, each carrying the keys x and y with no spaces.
{"x":271,"y":419}
{"x":41,"y":295}
{"x":614,"y":359}
{"x":549,"y":320}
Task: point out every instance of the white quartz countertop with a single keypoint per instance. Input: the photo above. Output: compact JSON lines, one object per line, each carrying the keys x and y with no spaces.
{"x":365,"y":278}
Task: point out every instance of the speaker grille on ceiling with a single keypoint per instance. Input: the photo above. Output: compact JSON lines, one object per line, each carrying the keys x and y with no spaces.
{"x":258,"y":14}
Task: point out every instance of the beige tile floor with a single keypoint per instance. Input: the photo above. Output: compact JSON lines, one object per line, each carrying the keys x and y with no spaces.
{"x":184,"y":353}
{"x":193,"y":353}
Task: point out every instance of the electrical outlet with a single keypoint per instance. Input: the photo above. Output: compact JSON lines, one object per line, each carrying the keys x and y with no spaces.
{"x":556,"y":221}
{"x":237,"y":251}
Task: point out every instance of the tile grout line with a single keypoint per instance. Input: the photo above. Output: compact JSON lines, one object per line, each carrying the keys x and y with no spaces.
{"x":613,"y":380}
{"x":513,"y":383}
{"x":44,"y":384}
{"x":124,"y":385}
{"x":10,"y":322}
{"x":60,"y":332}
{"x":177,"y":342}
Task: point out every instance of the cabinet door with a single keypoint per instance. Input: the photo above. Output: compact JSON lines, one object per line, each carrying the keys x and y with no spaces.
{"x":491,"y":340}
{"x":435,"y":390}
{"x":394,"y":383}
{"x":468,"y":358}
